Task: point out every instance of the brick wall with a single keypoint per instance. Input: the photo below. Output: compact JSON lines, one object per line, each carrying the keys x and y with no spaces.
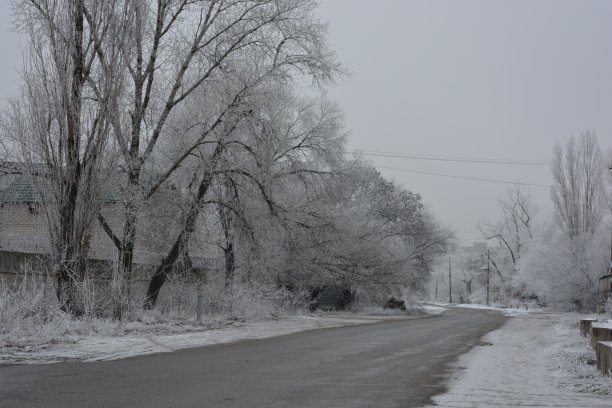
{"x":23,"y":229}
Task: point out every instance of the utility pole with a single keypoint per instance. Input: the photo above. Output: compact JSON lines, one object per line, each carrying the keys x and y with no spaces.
{"x":610,"y":270}
{"x":488,"y":275}
{"x":450,"y":283}
{"x":610,"y":266}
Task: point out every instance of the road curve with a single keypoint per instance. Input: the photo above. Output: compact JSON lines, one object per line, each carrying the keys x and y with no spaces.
{"x":389,"y":364}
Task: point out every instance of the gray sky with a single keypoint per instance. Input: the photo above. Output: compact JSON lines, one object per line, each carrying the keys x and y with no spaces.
{"x":486,"y":79}
{"x":491,"y":79}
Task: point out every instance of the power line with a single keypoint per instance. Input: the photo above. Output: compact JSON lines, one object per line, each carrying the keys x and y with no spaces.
{"x":466,"y":178}
{"x":459,"y":159}
{"x":449,"y":156}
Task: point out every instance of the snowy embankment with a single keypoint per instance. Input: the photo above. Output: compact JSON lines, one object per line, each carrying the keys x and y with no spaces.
{"x":535,"y":359}
{"x":508,"y":311}
{"x":99,"y":348}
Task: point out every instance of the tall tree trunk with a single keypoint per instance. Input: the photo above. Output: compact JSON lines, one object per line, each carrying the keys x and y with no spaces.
{"x":123,"y":280}
{"x":182,"y":240}
{"x":230,"y":264}
{"x":228,"y":249}
{"x":69,"y":248}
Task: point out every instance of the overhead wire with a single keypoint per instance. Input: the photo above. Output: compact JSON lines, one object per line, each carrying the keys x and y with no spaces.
{"x":459,"y":159}
{"x":465,"y":178}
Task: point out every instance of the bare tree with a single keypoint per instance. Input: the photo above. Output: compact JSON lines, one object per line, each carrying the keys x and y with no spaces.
{"x":364,"y":230}
{"x":271,"y":140}
{"x":515,"y":227}
{"x":178,"y":47}
{"x":609,"y":182}
{"x":569,"y":258}
{"x":226,"y":217}
{"x":469,"y":269}
{"x":60,"y":123}
{"x":578,"y":191}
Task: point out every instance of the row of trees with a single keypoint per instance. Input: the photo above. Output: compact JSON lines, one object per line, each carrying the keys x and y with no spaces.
{"x":556,"y":257}
{"x":572,"y":250}
{"x":560,"y":258}
{"x":199,"y":105}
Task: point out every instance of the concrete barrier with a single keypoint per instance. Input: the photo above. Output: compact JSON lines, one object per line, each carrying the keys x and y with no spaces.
{"x":585,"y":326}
{"x":600,"y":332}
{"x":603,"y":349}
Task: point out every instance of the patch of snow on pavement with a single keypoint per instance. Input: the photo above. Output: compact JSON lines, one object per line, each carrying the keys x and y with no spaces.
{"x":505,"y":310}
{"x":508,"y":311}
{"x":518,"y":369}
{"x":433,"y":310}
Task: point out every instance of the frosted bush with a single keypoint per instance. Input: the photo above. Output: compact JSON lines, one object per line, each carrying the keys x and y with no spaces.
{"x":566,"y":271}
{"x":258,"y":300}
{"x":29,"y":312}
{"x":370,"y":300}
{"x":607,"y":308}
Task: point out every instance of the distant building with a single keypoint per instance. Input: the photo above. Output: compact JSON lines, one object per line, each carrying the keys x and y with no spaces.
{"x":24,"y":233}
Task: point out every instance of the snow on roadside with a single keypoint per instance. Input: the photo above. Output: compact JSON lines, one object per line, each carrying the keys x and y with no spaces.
{"x":432,"y":309}
{"x":505,"y":310}
{"x":575,"y":357}
{"x":527,"y":364}
{"x":508,"y":311}
{"x":102,"y":348}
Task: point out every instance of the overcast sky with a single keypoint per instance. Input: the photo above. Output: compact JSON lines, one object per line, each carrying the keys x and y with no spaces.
{"x":487,"y":79}
{"x":499,"y":80}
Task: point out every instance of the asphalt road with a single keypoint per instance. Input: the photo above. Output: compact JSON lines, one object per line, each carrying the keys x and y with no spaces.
{"x":390,"y":364}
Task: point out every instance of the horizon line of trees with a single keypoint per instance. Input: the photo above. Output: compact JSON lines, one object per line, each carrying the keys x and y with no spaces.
{"x":557,"y":258}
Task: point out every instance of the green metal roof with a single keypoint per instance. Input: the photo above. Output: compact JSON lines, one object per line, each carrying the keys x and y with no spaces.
{"x":21,"y":191}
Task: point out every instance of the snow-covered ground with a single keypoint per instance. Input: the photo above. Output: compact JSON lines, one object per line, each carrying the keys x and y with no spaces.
{"x":535,"y":360}
{"x":505,"y":310}
{"x":508,"y":311}
{"x":98,"y":348}
{"x":433,"y":309}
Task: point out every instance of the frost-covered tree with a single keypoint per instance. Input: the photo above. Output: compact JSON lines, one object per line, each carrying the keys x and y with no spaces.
{"x":515,"y":228}
{"x":609,"y":182}
{"x":578,"y":193}
{"x":60,"y":125}
{"x":570,"y":255}
{"x":274,"y":139}
{"x":193,"y":114}
{"x":179,"y":52}
{"x":564,"y":272}
{"x":367,"y":231}
{"x":514,"y":232}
